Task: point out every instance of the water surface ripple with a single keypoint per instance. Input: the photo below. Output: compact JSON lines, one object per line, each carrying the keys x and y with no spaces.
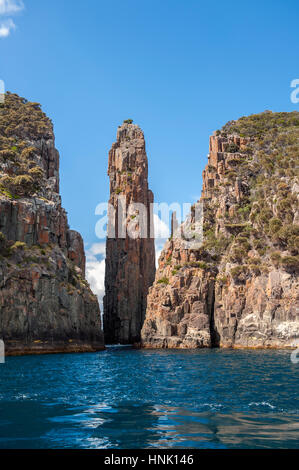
{"x":125,"y":398}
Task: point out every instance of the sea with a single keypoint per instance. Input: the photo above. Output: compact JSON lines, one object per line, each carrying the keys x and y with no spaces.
{"x":125,"y":398}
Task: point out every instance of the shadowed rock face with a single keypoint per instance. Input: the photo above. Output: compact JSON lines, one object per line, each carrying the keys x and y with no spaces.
{"x":130,"y":263}
{"x":46,"y":304}
{"x":240,"y":289}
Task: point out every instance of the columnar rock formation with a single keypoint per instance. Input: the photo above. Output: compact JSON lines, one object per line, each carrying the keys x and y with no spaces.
{"x":46,"y":304}
{"x":130,"y":262}
{"x":240,"y":289}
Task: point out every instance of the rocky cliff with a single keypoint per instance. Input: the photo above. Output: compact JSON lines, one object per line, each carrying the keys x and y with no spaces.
{"x":46,"y":304}
{"x":130,"y":256}
{"x":240,"y":288}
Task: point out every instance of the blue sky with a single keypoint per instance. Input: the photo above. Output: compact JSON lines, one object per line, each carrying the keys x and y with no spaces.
{"x":180,"y":68}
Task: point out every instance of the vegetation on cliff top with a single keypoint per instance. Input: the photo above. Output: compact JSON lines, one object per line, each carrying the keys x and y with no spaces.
{"x":259,"y":229}
{"x":257,"y":125}
{"x":21,"y":123}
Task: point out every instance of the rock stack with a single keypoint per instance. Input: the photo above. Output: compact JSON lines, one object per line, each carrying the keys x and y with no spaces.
{"x":130,"y":259}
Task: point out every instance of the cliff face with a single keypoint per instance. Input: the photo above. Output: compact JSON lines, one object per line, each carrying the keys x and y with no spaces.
{"x":46,"y":305}
{"x":130,"y":262}
{"x":240,"y":289}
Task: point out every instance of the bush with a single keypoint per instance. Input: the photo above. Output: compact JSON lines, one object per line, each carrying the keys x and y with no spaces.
{"x":275,"y":225}
{"x":231,"y":148}
{"x":18,"y":246}
{"x":255,"y":261}
{"x":261,"y":124}
{"x":28,"y":153}
{"x":6,"y":182}
{"x":238,"y":254}
{"x":264,"y":216}
{"x":288,"y":236}
{"x":275,"y":258}
{"x":7,"y":155}
{"x":37,"y":173}
{"x":237,"y":271}
{"x":242,"y":241}
{"x":23,"y":120}
{"x":255,"y":269}
{"x":258,"y":243}
{"x":290,"y":263}
{"x":197,"y":264}
{"x":23,"y":185}
{"x":235,"y":228}
{"x":20,"y":123}
{"x":222,"y":279}
{"x":128,"y":121}
{"x":163,"y":280}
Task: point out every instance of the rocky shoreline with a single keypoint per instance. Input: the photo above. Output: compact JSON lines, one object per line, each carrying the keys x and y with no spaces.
{"x":42,"y":347}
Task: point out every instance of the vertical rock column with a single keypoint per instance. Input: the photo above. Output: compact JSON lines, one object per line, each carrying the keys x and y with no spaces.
{"x":130,"y":262}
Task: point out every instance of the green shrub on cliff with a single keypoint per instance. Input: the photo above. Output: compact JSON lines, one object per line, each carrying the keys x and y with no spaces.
{"x":275,"y":225}
{"x":20,"y":123}
{"x":237,"y":271}
{"x":21,"y":185}
{"x":196,"y":264}
{"x":291,"y":263}
{"x":20,"y":119}
{"x":231,"y":148}
{"x":272,"y":202}
{"x":18,"y":246}
{"x":289,"y":237}
{"x":163,"y":280}
{"x":238,"y":254}
{"x":275,"y":258}
{"x":261,"y":124}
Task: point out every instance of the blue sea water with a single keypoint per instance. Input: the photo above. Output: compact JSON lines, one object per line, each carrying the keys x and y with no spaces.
{"x":131,"y":399}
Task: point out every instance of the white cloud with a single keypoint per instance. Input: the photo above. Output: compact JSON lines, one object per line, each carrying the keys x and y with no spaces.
{"x":96,"y":249}
{"x":95,"y":270}
{"x":95,"y":274}
{"x":9,"y":7}
{"x":162,"y":233}
{"x":6,"y":27}
{"x":161,"y":228}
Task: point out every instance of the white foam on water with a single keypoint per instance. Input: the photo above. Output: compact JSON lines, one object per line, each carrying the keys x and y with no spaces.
{"x":262,"y":403}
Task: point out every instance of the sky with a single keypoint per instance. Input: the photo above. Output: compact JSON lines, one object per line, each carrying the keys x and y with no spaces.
{"x":179,"y":68}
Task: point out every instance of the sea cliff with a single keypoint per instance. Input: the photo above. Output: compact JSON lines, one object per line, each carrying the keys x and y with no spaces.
{"x":46,"y":304}
{"x":240,"y":288}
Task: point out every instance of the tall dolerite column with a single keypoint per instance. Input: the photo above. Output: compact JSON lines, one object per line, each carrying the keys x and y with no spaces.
{"x":130,"y":262}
